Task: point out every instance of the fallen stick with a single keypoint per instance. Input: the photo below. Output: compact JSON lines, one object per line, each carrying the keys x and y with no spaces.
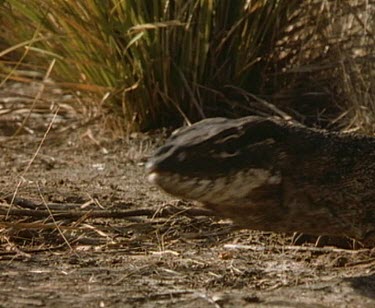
{"x":76,"y":214}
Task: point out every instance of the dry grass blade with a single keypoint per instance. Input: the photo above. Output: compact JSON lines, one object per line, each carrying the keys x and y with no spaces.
{"x":41,"y":142}
{"x":39,"y":225}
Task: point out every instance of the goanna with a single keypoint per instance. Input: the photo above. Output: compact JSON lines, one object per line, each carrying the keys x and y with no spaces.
{"x":271,"y":175}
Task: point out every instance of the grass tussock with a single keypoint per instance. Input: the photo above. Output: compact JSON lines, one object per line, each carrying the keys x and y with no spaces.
{"x":159,"y":62}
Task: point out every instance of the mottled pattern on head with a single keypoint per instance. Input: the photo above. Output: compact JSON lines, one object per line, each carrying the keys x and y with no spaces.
{"x":200,"y":161}
{"x":217,"y":146}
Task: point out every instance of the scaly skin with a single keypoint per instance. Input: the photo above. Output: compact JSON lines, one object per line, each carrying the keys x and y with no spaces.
{"x":270,"y":175}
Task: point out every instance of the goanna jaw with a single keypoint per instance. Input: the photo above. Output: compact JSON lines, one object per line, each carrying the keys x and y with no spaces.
{"x":233,"y":188}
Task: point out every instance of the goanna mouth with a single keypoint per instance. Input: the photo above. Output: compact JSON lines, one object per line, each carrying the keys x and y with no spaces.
{"x":153,"y":177}
{"x":154,"y":173}
{"x":151,"y":167}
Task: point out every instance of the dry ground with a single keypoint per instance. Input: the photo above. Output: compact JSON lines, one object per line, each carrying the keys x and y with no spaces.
{"x":87,"y":230}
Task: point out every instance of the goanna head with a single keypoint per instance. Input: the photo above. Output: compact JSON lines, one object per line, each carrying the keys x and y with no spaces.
{"x":214,"y":154}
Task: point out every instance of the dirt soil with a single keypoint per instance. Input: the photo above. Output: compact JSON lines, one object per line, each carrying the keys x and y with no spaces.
{"x":81,"y":227}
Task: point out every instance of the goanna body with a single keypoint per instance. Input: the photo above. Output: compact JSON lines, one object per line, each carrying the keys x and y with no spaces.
{"x":267,"y":174}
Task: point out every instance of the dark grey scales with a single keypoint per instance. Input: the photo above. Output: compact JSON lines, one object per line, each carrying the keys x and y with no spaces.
{"x":267,"y":174}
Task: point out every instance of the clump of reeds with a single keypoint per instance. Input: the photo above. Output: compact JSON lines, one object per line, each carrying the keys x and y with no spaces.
{"x":154,"y":63}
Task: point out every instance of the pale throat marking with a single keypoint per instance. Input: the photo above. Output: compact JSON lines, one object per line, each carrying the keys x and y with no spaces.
{"x":222,"y":190}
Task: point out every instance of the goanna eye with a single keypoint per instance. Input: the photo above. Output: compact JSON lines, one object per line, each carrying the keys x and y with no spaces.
{"x":229,"y":148}
{"x":226,"y":150}
{"x":229,"y":153}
